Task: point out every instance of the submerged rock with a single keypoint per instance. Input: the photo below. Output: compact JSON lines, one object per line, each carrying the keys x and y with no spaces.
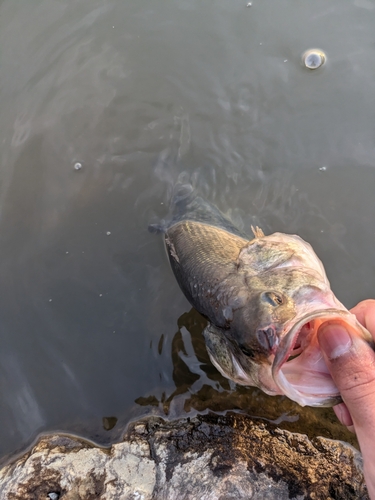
{"x":206,"y":457}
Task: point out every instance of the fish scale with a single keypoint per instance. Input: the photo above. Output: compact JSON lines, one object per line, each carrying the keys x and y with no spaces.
{"x":210,"y":266}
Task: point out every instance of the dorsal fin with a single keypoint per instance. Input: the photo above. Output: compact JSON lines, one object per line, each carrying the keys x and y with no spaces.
{"x":258,"y":233}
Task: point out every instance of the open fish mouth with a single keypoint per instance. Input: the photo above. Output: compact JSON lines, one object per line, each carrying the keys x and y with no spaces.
{"x":299,"y":369}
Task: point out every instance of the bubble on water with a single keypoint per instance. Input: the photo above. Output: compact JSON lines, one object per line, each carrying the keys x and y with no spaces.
{"x":50,"y":300}
{"x":314,"y":58}
{"x":100,"y":295}
{"x":66,"y":253}
{"x":323,"y":168}
{"x":249,"y":4}
{"x":285,"y":60}
{"x":108,"y":233}
{"x":77,"y":166}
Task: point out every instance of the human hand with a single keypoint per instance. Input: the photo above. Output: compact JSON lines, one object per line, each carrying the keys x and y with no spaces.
{"x":352,"y":365}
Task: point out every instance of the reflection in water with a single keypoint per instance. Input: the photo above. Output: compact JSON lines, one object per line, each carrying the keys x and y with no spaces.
{"x":199,"y":387}
{"x":22,"y":401}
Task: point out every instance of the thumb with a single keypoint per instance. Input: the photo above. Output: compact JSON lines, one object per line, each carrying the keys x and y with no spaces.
{"x":351,"y":362}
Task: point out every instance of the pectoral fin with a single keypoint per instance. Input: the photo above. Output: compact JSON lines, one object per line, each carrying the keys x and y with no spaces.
{"x":222,"y":356}
{"x":217,"y":348}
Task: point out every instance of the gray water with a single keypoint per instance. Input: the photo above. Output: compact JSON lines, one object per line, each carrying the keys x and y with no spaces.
{"x":93,"y":328}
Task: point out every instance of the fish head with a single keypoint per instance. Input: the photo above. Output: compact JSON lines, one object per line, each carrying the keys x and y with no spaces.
{"x":280,"y":340}
{"x":244,"y":351}
{"x":288,"y":326}
{"x":288,"y":362}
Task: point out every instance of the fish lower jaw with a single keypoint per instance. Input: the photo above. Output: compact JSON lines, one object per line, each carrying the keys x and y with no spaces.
{"x":239,"y":376}
{"x":323,"y":393}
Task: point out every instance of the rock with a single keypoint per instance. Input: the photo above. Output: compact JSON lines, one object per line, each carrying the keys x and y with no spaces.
{"x":205,"y":457}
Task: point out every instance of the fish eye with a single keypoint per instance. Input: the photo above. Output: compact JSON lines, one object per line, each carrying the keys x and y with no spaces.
{"x":273,"y":298}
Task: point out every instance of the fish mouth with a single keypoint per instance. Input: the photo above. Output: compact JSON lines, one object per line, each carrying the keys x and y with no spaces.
{"x":299,"y":369}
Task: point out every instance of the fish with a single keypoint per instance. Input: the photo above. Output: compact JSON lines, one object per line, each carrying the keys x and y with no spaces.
{"x":264,"y":298}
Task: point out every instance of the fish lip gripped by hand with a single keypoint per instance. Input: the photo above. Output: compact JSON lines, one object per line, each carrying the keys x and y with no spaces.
{"x":300,"y":371}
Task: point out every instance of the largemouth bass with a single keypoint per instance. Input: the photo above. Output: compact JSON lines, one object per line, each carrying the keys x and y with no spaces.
{"x":264,"y":297}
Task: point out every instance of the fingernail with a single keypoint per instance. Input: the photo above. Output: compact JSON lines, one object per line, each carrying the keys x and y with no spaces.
{"x":334,"y":340}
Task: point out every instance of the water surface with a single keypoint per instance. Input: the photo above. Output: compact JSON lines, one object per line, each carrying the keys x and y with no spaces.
{"x":143,"y":93}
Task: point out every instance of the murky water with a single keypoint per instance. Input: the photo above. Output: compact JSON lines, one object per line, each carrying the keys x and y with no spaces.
{"x":93,"y":328}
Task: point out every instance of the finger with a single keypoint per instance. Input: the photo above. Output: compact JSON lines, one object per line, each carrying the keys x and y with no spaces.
{"x":342,"y":413}
{"x":352,"y":365}
{"x":365,"y":313}
{"x":351,"y":362}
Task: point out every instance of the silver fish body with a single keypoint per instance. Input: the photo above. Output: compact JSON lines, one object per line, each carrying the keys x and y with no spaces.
{"x":264,"y":298}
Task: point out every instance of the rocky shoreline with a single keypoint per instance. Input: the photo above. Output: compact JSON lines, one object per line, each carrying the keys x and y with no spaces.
{"x":206,"y":457}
